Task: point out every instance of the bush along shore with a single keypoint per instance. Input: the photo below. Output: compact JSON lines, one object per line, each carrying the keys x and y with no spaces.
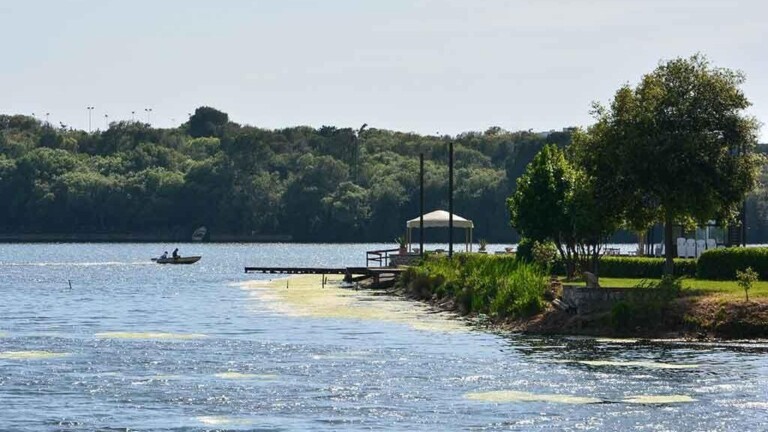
{"x":506,"y":293}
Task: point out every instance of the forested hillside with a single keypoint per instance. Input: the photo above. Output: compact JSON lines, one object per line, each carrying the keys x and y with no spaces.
{"x":327,"y":184}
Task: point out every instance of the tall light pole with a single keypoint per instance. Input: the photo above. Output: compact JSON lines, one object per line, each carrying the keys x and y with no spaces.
{"x":46,"y":118}
{"x":133,"y":116}
{"x":450,"y":198}
{"x":421,"y":204}
{"x":149,"y":112}
{"x":90,"y":110}
{"x":106,"y":121}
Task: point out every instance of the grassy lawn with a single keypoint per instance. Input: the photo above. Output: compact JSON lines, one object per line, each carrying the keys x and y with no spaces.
{"x":728,"y":289}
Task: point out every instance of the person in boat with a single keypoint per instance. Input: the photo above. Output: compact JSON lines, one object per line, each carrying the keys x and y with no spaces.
{"x":164,"y":255}
{"x":176,"y":254}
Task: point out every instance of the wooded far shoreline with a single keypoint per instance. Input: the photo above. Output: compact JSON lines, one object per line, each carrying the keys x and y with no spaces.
{"x":133,"y":182}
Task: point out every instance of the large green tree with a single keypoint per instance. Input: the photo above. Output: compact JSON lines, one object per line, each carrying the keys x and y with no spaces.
{"x":677,"y":148}
{"x":554,"y":202}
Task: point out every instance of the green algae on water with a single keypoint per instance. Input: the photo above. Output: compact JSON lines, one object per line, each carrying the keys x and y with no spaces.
{"x":511,"y":396}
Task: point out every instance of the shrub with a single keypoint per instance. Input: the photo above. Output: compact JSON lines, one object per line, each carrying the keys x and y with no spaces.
{"x":628,"y":315}
{"x":524,"y":250}
{"x":521,"y":293}
{"x":621,"y":315}
{"x":643,"y":267}
{"x":669,"y":286}
{"x":746,"y":278}
{"x":544,"y":253}
{"x":721,"y":264}
{"x":496,"y":285}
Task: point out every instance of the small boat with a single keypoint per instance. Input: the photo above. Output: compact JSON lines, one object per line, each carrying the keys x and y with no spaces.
{"x":179,"y":260}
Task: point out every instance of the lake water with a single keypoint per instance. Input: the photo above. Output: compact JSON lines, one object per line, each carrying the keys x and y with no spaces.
{"x":139,"y":346}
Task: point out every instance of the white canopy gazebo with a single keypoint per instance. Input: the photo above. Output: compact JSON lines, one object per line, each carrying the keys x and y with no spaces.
{"x":440,"y":219}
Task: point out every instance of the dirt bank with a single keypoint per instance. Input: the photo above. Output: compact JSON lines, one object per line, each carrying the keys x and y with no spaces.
{"x":683,"y":317}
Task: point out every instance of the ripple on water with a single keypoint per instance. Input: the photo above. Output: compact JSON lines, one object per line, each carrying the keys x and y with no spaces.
{"x":616,"y":340}
{"x":31,"y":355}
{"x":165,"y":377}
{"x":223,"y":420}
{"x":752,"y":405}
{"x":630,"y":363}
{"x":352,"y":355}
{"x":512,"y":396}
{"x":149,"y":335}
{"x":244,"y":376}
{"x":658,"y":399}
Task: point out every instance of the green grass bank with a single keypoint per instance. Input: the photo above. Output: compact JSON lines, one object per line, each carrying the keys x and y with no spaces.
{"x":515,"y":295}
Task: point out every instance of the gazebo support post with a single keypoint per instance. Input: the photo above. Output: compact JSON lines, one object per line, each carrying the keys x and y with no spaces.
{"x":408,"y":238}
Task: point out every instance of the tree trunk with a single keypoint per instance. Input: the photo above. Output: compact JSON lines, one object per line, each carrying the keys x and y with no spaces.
{"x":595,"y":255}
{"x":668,"y":262}
{"x":565,"y":256}
{"x":640,"y":243}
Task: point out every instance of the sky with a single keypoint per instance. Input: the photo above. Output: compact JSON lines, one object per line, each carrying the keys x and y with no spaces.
{"x":426,"y":66}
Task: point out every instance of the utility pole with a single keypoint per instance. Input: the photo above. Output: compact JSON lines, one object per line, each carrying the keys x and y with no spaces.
{"x":356,"y":153}
{"x":743,"y":151}
{"x":421,"y":204}
{"x":450,"y":199}
{"x":90,"y":110}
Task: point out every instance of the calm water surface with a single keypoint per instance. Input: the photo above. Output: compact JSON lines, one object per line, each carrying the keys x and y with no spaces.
{"x":139,"y":346}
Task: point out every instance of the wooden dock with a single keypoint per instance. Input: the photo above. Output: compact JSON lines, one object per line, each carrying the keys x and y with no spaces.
{"x":297,"y":270}
{"x":382,"y":276}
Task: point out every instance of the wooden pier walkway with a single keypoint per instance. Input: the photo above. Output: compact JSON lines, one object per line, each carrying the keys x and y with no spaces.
{"x":382,"y":276}
{"x":297,"y":270}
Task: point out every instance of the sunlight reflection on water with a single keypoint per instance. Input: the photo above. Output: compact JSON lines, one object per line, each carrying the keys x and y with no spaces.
{"x":148,"y":347}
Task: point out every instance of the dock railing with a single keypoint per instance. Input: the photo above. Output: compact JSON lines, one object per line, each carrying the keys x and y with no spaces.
{"x":378,"y":256}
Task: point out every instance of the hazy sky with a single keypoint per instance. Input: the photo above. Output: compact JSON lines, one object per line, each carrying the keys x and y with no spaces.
{"x":424,"y":66}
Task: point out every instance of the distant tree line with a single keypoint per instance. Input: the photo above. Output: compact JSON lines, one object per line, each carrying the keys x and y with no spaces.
{"x":326,"y":184}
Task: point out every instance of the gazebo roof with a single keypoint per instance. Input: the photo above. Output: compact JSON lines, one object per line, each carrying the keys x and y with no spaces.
{"x":439,"y":219}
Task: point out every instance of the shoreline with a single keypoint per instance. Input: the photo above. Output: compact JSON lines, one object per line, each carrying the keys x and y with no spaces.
{"x":686,"y":317}
{"x":693,"y":318}
{"x":140,"y":238}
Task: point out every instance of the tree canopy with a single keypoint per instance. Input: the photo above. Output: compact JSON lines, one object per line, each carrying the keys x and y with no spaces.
{"x":207,"y":122}
{"x":313,"y":184}
{"x":554,"y":202}
{"x":677,"y":148}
